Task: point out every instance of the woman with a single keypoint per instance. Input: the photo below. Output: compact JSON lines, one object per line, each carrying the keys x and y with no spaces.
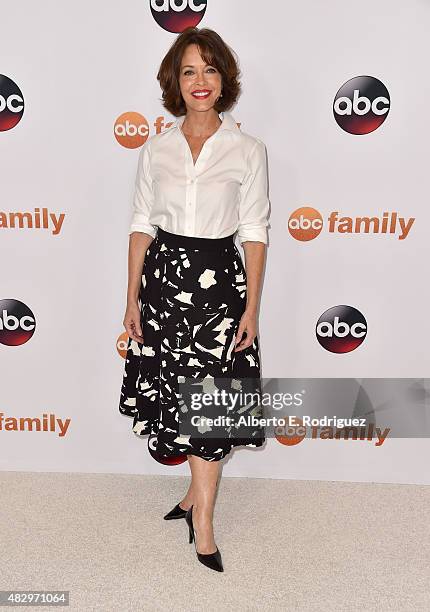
{"x":198,"y":182}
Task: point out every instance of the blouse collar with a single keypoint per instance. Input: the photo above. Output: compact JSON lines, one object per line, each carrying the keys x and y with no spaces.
{"x":228,"y":121}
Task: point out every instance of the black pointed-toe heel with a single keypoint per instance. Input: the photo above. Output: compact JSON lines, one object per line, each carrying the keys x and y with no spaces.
{"x":212,"y":560}
{"x":176,"y":513}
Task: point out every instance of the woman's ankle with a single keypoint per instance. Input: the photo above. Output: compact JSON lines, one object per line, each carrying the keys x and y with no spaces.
{"x":186,"y":502}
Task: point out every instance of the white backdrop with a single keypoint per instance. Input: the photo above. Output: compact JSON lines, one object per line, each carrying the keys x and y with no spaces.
{"x":80,"y":66}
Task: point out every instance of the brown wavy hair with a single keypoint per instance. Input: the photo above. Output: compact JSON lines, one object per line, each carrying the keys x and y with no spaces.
{"x":215,"y":52}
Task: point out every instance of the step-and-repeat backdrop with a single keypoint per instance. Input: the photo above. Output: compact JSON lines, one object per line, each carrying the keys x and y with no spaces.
{"x":340,"y":97}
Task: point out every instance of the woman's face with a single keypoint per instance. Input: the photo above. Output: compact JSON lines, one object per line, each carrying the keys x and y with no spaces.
{"x":196,"y":76}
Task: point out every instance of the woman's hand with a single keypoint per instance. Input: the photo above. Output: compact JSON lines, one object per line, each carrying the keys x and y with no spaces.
{"x":248,"y":324}
{"x":132,"y":322}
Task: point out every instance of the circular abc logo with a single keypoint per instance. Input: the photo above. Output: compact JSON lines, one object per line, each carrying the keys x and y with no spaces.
{"x":17,"y":323}
{"x":176,"y":15}
{"x":341,"y":329}
{"x":174,"y":460}
{"x":361,"y":105}
{"x":131,"y":130}
{"x":11,"y":103}
{"x":305,"y":223}
{"x":291,"y":434}
{"x":122,"y":344}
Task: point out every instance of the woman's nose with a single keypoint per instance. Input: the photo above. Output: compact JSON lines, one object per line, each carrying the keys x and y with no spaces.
{"x":200,"y":79}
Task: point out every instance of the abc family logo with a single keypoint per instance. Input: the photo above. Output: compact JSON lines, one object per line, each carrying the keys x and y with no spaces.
{"x":176,"y":15}
{"x":341,"y":329}
{"x":293,"y":433}
{"x":17,"y":322}
{"x":361,"y":105}
{"x":11,"y":104}
{"x":306,"y":223}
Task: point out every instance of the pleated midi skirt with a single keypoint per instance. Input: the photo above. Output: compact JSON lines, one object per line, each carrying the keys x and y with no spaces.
{"x":192,"y":296}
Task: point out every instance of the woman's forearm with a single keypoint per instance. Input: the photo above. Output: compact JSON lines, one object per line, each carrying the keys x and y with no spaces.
{"x":138,"y":245}
{"x":254,"y":261}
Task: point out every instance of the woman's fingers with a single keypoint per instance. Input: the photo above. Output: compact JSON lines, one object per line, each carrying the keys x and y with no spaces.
{"x":137,"y":332}
{"x":138,"y":329}
{"x":133,"y":330}
{"x":245,"y":342}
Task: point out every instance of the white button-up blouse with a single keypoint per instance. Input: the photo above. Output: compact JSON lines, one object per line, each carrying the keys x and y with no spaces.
{"x":224,"y":192}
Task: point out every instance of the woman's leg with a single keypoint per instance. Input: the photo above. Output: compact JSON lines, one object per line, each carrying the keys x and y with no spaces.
{"x":203,"y":492}
{"x":187,"y":501}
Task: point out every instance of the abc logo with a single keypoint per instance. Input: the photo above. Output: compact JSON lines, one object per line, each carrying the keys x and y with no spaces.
{"x":122,"y":344}
{"x":305,"y":223}
{"x":176,"y":15}
{"x":361,"y":105}
{"x":290,"y":435}
{"x":131,"y":130}
{"x":341,"y":329}
{"x":11,"y":104}
{"x":17,"y":323}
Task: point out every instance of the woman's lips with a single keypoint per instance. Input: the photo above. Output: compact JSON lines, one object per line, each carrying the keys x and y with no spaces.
{"x":201,"y":96}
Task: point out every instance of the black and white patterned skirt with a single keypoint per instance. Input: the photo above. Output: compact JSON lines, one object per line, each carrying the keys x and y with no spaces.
{"x":192,"y":297}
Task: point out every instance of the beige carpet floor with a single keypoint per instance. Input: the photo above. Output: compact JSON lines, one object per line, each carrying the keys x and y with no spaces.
{"x":286,"y":545}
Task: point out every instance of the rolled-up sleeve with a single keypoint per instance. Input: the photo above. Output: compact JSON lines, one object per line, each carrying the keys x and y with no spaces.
{"x":143,"y":196}
{"x":254,"y":201}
